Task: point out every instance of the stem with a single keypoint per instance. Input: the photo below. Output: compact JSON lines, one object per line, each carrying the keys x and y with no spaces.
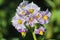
{"x":34,"y":36}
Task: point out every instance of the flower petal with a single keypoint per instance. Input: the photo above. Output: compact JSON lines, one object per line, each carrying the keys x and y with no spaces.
{"x":23,"y":4}
{"x":36,"y":31}
{"x":41,"y":28}
{"x":41,"y":21}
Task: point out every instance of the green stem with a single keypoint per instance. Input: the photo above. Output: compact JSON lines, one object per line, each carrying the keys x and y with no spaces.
{"x":34,"y":36}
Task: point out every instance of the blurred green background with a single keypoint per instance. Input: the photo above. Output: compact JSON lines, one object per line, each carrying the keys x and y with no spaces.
{"x":8,"y":9}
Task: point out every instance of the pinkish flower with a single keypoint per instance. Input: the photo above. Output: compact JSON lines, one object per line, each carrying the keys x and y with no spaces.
{"x":23,"y":4}
{"x":32,"y":8}
{"x":38,"y":16}
{"x":22,"y":31}
{"x":18,"y":22}
{"x":40,"y":31}
{"x":31,"y":21}
{"x":45,"y":17}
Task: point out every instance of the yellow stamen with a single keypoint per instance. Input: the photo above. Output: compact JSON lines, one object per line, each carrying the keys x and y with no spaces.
{"x":23,"y":6}
{"x":45,"y":17}
{"x":22,"y":33}
{"x":23,"y":13}
{"x":19,"y":21}
{"x":31,"y":19}
{"x":41,"y":32}
{"x":31,"y":11}
{"x":37,"y":16}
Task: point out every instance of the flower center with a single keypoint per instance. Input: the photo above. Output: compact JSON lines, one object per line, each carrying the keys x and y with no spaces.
{"x":31,"y":11}
{"x":41,"y":32}
{"x":37,"y":16}
{"x":22,"y":33}
{"x":45,"y":17}
{"x":19,"y":21}
{"x":30,"y":19}
{"x":23,"y":13}
{"x":23,"y":6}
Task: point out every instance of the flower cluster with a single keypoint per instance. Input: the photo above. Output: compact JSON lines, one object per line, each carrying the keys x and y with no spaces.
{"x":31,"y":14}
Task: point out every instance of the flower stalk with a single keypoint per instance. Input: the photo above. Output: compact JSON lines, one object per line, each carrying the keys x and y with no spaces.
{"x":34,"y":36}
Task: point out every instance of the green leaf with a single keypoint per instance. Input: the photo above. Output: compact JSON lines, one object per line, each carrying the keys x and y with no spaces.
{"x":1,"y":2}
{"x":4,"y":23}
{"x":2,"y":39}
{"x":56,"y":16}
{"x":15,"y":39}
{"x":2,"y":14}
{"x":51,"y":3}
{"x":57,"y":2}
